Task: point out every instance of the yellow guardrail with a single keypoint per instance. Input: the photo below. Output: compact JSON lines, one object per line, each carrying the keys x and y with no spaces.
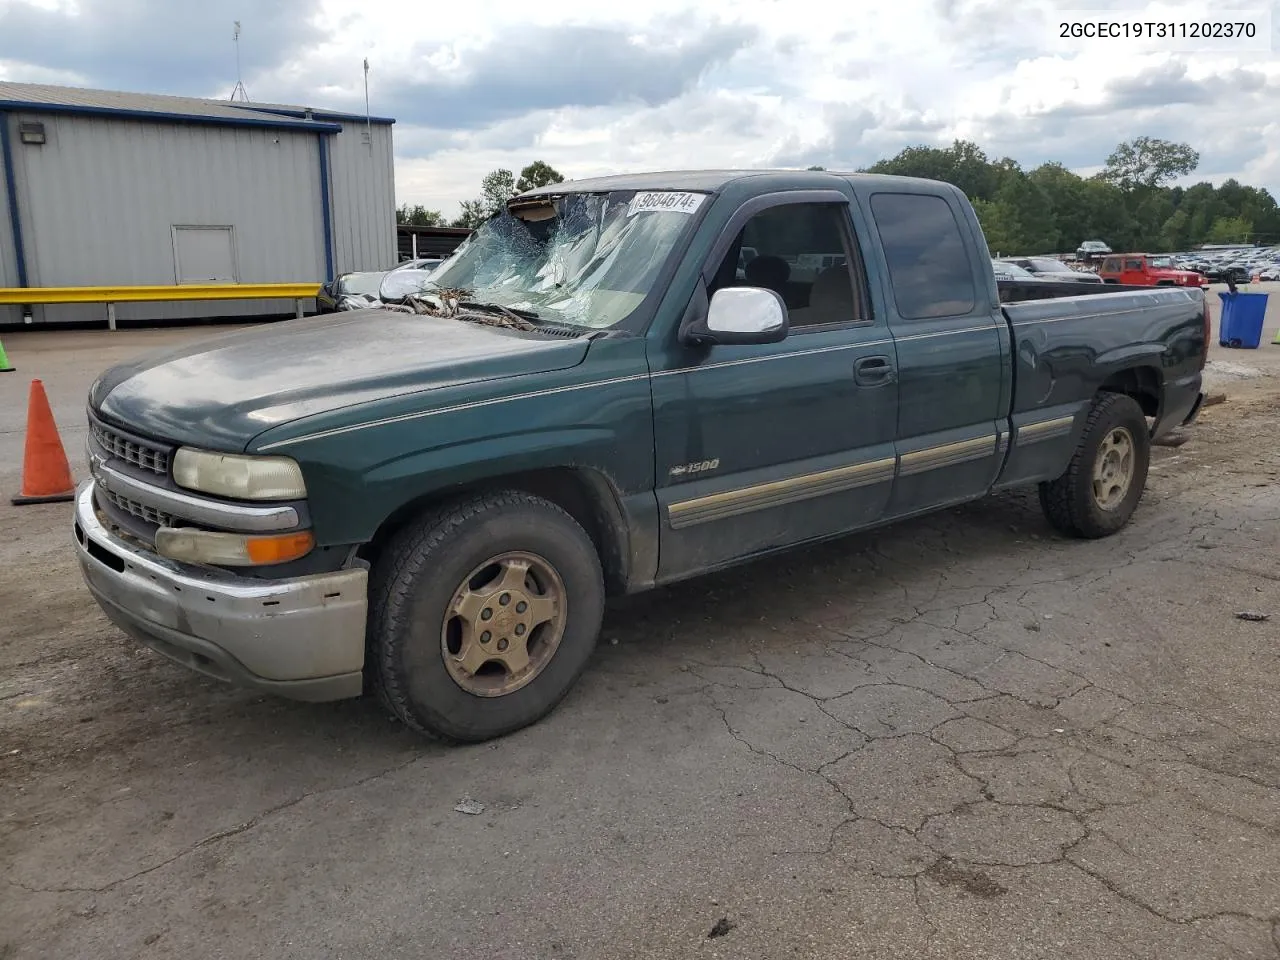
{"x":297,"y":292}
{"x":151,"y":294}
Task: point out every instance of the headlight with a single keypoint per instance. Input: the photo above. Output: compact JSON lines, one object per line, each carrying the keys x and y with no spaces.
{"x":238,"y":477}
{"x":232,"y":549}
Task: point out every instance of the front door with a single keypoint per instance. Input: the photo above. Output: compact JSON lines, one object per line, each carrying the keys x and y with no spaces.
{"x":1134,"y":272}
{"x":761,"y":447}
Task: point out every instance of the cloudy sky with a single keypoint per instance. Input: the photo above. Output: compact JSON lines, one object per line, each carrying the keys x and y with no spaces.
{"x":592,"y":88}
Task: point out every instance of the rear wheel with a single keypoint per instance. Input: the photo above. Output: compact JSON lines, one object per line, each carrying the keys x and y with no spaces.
{"x":1107,"y":474}
{"x":483,"y":615}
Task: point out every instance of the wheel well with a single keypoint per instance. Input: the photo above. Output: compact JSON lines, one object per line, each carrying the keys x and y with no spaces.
{"x":1141,"y":383}
{"x":586,"y":495}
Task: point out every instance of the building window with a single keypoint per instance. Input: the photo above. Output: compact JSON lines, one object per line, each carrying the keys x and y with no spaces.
{"x":204,"y":254}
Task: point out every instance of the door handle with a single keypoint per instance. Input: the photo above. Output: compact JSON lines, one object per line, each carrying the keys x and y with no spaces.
{"x":873,"y":371}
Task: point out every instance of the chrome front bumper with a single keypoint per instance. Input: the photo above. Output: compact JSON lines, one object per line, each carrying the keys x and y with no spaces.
{"x":302,"y":638}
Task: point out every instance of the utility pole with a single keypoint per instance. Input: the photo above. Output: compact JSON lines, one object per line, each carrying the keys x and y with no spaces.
{"x":368,"y":120}
{"x":239,"y":90}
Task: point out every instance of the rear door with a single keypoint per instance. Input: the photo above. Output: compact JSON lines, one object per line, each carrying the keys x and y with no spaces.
{"x":951,"y":341}
{"x":764,"y":446}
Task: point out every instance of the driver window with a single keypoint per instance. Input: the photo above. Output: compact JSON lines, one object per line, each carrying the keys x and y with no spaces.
{"x":798,"y":251}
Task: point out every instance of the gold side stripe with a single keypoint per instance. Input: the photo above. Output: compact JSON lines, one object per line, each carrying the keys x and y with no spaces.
{"x":719,"y":506}
{"x":1045,"y":429}
{"x":947,"y":455}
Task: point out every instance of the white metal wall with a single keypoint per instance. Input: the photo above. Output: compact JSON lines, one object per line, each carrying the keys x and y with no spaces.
{"x":100,"y":199}
{"x":364,"y":203}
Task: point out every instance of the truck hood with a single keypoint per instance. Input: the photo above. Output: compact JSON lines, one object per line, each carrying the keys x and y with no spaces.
{"x":221,"y":392}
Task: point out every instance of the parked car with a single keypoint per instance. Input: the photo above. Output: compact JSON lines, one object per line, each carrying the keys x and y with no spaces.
{"x":1145,"y":270}
{"x":438,"y":504}
{"x":1004,"y":270}
{"x":1048,"y":268}
{"x":1221,"y":272}
{"x":1092,"y":248}
{"x":400,"y":284}
{"x":340,"y":292}
{"x":422,"y":263}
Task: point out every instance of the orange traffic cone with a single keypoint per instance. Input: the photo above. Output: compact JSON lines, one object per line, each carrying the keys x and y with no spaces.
{"x":46,"y":475}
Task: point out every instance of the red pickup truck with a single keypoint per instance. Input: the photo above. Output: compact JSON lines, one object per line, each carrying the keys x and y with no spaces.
{"x":1145,"y":270}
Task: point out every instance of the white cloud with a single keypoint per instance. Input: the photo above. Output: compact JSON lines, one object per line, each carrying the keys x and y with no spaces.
{"x":594,"y":88}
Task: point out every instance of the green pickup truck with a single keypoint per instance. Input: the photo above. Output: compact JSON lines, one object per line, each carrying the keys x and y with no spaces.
{"x":612,"y":385}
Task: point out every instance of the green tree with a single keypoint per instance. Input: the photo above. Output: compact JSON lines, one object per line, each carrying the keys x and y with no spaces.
{"x":1107,"y":216}
{"x":1148,"y":162}
{"x":497,"y":187}
{"x":1065,"y":192}
{"x":1151,"y":210}
{"x":537,"y":174}
{"x":963,"y":164}
{"x":815,"y":167}
{"x":1000,"y":226}
{"x":471,"y":214}
{"x":419,"y":216}
{"x":1230,"y":230}
{"x":1035,"y":229}
{"x":1260,"y":209}
{"x":1176,"y":232}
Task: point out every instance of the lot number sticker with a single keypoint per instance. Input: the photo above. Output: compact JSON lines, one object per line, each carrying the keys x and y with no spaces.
{"x":667,"y":201}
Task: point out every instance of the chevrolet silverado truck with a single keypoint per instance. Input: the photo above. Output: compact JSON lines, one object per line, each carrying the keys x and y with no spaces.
{"x":596,"y":395}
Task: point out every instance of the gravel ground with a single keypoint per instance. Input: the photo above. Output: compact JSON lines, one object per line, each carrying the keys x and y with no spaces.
{"x":956,"y":737}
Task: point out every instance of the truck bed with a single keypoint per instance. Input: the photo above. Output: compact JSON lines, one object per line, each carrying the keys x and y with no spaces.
{"x":1017,"y":291}
{"x":1155,"y":335}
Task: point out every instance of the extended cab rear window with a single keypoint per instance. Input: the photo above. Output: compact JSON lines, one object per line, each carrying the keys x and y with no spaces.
{"x":928,"y":261}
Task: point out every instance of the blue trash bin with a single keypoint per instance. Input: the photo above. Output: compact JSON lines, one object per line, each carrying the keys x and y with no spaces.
{"x":1243,"y":315}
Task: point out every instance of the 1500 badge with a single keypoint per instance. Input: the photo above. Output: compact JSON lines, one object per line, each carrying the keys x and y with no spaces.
{"x":690,"y":469}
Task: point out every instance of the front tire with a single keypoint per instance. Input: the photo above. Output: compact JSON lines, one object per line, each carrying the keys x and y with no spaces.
{"x":482,"y":616}
{"x":1107,"y":475}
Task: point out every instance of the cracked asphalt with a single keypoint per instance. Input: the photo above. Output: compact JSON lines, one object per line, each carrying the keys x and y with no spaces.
{"x":956,"y":737}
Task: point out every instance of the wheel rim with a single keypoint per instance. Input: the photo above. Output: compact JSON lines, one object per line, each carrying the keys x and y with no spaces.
{"x":504,"y":624}
{"x":1113,"y":468}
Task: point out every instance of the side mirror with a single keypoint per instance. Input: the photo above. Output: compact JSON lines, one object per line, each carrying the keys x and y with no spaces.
{"x":737,"y":316}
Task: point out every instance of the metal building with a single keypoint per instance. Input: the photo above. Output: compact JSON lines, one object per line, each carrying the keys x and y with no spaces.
{"x":104,"y":188}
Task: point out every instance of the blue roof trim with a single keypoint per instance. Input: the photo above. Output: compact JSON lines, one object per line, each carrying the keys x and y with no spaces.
{"x":320,"y":114}
{"x":197,"y":118}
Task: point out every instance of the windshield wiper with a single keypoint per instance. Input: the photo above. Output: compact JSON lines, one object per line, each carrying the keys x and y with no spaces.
{"x":521,"y":314}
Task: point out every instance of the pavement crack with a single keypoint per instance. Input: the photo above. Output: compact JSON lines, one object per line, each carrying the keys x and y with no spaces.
{"x":924,"y":913}
{"x":1116,"y":890}
{"x":253,"y":822}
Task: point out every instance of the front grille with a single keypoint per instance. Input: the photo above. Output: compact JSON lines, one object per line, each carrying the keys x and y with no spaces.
{"x":143,"y":455}
{"x":136,"y":509}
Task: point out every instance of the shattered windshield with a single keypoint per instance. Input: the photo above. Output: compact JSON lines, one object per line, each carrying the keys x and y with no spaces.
{"x":585,"y":259}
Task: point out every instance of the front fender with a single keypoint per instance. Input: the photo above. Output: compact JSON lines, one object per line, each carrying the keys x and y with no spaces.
{"x":359,"y":476}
